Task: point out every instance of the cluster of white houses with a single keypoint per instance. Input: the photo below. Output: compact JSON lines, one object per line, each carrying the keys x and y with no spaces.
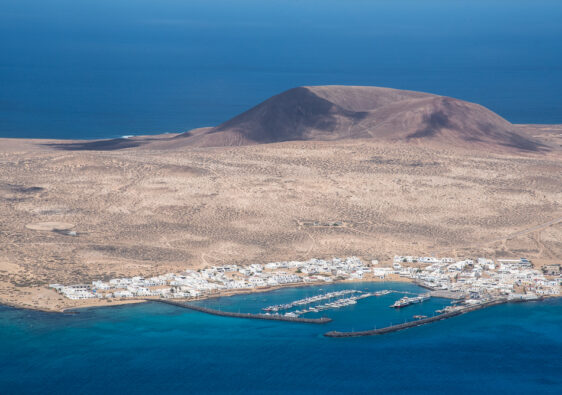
{"x":481,"y":278}
{"x":191,"y":283}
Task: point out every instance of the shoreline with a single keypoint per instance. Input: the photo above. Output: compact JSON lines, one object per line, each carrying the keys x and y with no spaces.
{"x":121,"y":302}
{"x":145,"y":134}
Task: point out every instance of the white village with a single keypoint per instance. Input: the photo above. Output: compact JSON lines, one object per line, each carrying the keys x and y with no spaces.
{"x":473,"y":281}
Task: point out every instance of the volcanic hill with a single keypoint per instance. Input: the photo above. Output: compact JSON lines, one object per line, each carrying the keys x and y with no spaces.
{"x":326,"y":113}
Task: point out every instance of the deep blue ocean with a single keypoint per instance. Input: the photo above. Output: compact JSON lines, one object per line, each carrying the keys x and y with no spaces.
{"x":106,"y":68}
{"x":154,"y":348}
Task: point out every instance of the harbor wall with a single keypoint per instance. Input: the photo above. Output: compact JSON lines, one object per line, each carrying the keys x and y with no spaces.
{"x":270,"y":317}
{"x":411,"y":324}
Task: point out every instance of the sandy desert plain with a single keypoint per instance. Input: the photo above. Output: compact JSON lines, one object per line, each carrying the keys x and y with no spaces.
{"x":73,"y":213}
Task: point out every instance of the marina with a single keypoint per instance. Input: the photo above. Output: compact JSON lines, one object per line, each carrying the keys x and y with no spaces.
{"x":335,"y":304}
{"x":336,"y":300}
{"x":310,"y":300}
{"x":339,"y":298}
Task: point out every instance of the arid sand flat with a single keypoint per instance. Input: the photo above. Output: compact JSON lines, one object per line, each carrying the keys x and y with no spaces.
{"x":49,"y":226}
{"x":149,"y":205}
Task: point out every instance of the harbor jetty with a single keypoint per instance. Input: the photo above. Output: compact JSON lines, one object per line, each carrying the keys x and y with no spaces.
{"x":271,"y":317}
{"x":419,"y":322}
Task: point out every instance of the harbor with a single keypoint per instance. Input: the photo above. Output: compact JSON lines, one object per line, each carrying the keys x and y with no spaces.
{"x":346,"y":297}
{"x":272,"y":312}
{"x":332,"y":304}
{"x":310,"y":300}
{"x":334,"y":300}
{"x":452,"y":287}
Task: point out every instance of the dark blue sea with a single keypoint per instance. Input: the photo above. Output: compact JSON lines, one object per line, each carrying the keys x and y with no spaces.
{"x":106,"y":68}
{"x":154,"y":348}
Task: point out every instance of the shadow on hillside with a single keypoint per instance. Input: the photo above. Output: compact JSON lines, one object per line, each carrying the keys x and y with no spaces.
{"x":98,"y":145}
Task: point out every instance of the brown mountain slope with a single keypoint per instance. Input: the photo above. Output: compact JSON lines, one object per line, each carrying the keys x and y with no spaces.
{"x":350,"y":112}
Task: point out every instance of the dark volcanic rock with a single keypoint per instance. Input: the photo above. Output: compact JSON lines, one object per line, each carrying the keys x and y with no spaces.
{"x":351,"y":112}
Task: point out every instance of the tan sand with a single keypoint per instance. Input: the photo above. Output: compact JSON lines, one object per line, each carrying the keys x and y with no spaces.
{"x":148,"y":212}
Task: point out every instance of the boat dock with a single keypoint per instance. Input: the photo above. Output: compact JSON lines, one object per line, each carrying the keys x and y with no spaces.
{"x":310,"y":300}
{"x":406,"y":301}
{"x":272,"y":317}
{"x":336,"y":304}
{"x":411,"y":324}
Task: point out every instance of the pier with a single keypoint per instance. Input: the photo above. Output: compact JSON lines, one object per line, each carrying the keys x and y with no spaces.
{"x":271,"y":317}
{"x":411,"y":324}
{"x":446,"y":294}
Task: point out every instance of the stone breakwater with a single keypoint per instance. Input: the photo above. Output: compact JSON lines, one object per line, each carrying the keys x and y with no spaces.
{"x":411,"y":324}
{"x":271,"y":317}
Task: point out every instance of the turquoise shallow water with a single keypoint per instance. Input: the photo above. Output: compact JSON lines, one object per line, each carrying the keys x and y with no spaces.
{"x":154,"y":348}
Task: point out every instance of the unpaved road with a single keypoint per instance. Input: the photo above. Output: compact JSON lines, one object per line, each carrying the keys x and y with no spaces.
{"x":529,"y":230}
